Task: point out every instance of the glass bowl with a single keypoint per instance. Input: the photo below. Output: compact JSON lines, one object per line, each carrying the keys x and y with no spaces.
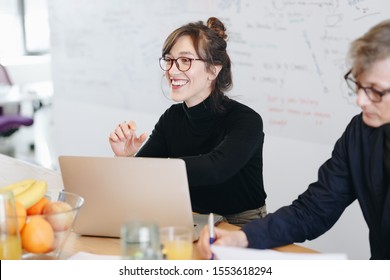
{"x":43,"y":236}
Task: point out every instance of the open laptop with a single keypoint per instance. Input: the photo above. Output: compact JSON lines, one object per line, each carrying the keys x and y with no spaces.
{"x":117,"y":190}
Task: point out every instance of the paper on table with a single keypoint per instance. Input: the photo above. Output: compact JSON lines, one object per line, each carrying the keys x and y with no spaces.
{"x":235,"y":253}
{"x":90,"y":256}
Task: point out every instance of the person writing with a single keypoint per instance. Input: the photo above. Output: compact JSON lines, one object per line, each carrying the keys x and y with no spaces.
{"x":359,"y":167}
{"x":220,"y":139}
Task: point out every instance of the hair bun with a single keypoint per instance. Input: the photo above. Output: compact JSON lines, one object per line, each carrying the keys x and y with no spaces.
{"x":217,"y":26}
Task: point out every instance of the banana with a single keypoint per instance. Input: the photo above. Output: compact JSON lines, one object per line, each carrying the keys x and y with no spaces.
{"x":18,"y":187}
{"x":33,"y":194}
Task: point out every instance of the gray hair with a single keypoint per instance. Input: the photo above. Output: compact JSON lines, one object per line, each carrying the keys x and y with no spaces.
{"x":370,"y":48}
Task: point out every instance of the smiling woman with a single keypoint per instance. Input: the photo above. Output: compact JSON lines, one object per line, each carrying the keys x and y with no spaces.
{"x":220,"y":140}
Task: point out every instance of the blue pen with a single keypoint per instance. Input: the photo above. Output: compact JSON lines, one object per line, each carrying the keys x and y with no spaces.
{"x":211,"y":231}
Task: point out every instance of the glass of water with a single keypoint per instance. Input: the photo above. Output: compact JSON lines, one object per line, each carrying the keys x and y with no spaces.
{"x":140,"y":240}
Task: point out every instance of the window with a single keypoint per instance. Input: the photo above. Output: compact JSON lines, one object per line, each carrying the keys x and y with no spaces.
{"x":24,"y":27}
{"x":36,"y":26}
{"x":11,"y":31}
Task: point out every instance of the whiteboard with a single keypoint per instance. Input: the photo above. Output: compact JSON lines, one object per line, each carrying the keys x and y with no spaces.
{"x":288,"y":57}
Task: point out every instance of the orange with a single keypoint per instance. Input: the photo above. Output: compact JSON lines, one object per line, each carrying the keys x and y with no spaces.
{"x":37,"y":235}
{"x":21,"y":213}
{"x":36,"y":209}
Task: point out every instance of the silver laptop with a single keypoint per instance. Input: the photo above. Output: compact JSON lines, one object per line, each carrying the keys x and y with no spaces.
{"x":117,"y":190}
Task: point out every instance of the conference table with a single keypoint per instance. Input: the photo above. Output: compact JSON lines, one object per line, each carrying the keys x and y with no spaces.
{"x":111,"y":246}
{"x":13,"y":170}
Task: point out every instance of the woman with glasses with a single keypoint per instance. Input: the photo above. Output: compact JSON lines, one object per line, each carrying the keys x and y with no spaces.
{"x":358,"y":169}
{"x":220,"y":140}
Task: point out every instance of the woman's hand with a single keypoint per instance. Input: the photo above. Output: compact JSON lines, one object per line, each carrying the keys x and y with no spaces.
{"x":236,"y":238}
{"x":124,"y":141}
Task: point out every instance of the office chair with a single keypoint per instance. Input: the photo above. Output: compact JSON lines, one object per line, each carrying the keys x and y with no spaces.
{"x":10,"y":118}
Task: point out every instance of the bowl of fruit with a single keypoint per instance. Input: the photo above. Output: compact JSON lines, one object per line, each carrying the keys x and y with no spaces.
{"x":45,"y":218}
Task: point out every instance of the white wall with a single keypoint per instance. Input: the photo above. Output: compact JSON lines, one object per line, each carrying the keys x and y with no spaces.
{"x":90,"y":125}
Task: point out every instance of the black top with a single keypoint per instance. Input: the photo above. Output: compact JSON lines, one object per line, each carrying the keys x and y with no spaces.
{"x":222,"y":152}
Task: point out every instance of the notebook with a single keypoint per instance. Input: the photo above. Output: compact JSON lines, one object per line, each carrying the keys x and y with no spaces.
{"x":120,"y":189}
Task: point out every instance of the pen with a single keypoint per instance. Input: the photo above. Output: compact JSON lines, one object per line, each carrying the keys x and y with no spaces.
{"x":211,"y":232}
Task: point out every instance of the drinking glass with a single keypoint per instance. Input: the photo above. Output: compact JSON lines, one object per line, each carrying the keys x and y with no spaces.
{"x":140,"y":240}
{"x":176,"y":242}
{"x":10,"y":245}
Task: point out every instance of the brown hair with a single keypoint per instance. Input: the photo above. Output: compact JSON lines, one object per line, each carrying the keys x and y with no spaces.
{"x":372,"y":47}
{"x":210,"y":44}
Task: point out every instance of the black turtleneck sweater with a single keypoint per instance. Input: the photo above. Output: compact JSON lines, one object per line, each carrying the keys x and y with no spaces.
{"x":222,"y":152}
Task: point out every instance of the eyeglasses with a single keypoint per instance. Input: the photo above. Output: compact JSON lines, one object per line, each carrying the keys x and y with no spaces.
{"x":373,"y":94}
{"x":182,"y":63}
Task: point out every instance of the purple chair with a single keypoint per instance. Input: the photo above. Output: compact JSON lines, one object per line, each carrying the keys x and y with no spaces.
{"x":10,"y":122}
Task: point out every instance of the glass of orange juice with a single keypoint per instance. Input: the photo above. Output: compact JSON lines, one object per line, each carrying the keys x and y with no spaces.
{"x":10,"y":245}
{"x":176,"y":242}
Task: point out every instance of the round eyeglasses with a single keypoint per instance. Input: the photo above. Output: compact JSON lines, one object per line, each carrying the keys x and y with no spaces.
{"x":373,"y":94}
{"x":182,"y":63}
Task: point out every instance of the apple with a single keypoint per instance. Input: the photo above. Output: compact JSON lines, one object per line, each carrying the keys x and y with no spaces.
{"x":59,"y":214}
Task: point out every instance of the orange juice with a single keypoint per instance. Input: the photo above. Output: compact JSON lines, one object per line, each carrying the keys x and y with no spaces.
{"x":177,"y":249}
{"x":10,"y":247}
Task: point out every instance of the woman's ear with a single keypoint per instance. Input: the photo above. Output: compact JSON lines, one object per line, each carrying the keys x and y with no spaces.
{"x":214,"y":71}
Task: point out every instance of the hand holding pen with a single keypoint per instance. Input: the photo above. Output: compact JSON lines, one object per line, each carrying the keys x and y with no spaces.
{"x":214,"y":235}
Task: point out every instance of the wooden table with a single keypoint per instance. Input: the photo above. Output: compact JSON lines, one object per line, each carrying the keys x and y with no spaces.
{"x":111,"y":246}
